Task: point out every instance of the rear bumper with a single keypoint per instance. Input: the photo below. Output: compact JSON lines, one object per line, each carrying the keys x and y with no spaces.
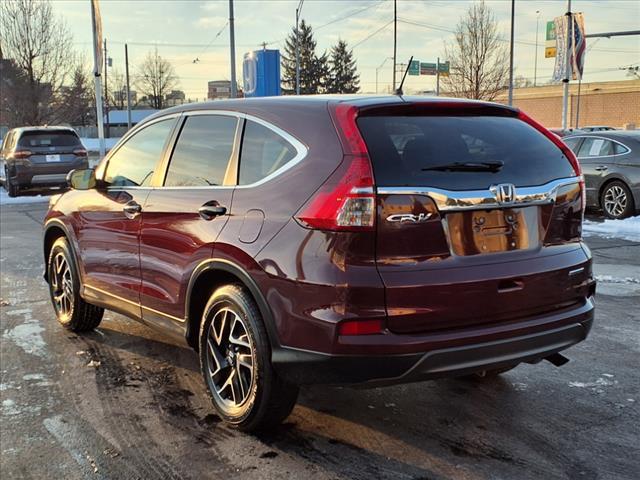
{"x":43,"y":173}
{"x":304,"y":367}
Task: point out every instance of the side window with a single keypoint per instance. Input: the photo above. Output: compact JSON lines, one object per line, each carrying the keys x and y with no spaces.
{"x":595,"y":147}
{"x":618,"y":148}
{"x":572,"y":143}
{"x":202,"y":152}
{"x":263,"y":152}
{"x":135,"y":161}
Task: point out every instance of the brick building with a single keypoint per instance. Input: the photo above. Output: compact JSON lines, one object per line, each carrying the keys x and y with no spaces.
{"x":601,"y":103}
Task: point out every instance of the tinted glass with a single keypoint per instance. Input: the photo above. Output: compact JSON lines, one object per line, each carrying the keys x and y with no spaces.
{"x":572,"y":143}
{"x":135,"y":161}
{"x":263,"y":152}
{"x":403,"y":149}
{"x":60,"y":138}
{"x":617,"y":148}
{"x":595,"y":147}
{"x":202,"y":152}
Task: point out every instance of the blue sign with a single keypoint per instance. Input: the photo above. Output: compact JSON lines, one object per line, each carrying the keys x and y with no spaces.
{"x":261,"y":73}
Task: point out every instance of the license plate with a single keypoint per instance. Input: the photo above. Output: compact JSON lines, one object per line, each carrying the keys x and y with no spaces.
{"x":52,"y":158}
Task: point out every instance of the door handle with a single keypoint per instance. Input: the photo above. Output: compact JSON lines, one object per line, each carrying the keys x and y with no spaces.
{"x":601,"y":168}
{"x":210,"y":210}
{"x":131,"y":209}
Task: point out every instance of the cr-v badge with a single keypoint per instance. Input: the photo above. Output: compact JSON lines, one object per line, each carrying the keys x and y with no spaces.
{"x":409,"y":217}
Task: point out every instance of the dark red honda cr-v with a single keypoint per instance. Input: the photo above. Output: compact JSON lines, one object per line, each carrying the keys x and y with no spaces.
{"x":348,"y":240}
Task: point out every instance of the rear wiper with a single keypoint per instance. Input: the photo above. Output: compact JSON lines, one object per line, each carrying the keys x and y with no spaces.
{"x":467,"y":167}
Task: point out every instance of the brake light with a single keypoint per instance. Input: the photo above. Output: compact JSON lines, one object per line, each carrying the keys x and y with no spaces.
{"x":360,"y":327}
{"x":346,"y":201}
{"x":22,"y":154}
{"x":80,"y":152}
{"x":573,"y":160}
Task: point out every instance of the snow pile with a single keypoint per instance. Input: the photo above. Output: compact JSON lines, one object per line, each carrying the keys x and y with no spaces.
{"x":627,"y":229}
{"x":5,"y":199}
{"x":93,"y":144}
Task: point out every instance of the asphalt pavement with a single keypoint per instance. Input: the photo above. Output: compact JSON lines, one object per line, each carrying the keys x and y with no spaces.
{"x":126,"y":403}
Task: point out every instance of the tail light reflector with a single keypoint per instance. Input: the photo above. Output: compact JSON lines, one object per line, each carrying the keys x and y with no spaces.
{"x":80,"y":152}
{"x":562,"y":146}
{"x":346,"y":201}
{"x":360,"y":327}
{"x":22,"y":154}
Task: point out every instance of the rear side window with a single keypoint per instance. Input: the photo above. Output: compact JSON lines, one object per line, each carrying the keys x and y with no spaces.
{"x":62,"y":138}
{"x":572,"y":143}
{"x":135,"y":161}
{"x":618,"y":148}
{"x":263,"y":152}
{"x":202,"y":151}
{"x":405,"y":149}
{"x":596,"y":147}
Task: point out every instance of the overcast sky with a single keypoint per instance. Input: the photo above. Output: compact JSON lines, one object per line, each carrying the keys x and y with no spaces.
{"x":185,"y":30}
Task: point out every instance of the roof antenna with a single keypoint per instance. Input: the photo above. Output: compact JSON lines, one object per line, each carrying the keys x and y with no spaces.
{"x":399,"y":89}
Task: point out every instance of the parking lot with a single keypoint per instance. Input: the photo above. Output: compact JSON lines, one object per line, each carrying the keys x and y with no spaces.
{"x":124,"y":402}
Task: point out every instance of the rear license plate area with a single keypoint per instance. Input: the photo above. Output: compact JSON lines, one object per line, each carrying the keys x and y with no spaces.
{"x":52,"y":158}
{"x":477,"y":232}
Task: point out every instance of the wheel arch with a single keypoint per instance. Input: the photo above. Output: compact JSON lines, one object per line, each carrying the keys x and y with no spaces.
{"x":210,"y":275}
{"x":53,"y":230}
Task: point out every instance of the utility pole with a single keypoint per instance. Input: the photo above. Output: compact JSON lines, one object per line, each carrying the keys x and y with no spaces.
{"x":96,"y":25}
{"x":126,"y":69}
{"x":438,"y":77}
{"x":513,"y":14}
{"x":567,"y":67}
{"x":232,"y":38}
{"x":535,"y":61}
{"x":298,"y":10}
{"x":106,"y":92}
{"x":395,"y":40}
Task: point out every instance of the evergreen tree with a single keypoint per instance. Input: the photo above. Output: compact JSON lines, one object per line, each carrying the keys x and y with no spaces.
{"x":313,"y":69}
{"x":343,"y":77}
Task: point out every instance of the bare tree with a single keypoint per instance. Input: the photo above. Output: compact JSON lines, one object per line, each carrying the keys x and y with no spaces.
{"x":76,"y":102}
{"x":155,"y":78}
{"x":40,"y":48}
{"x":117,"y":89}
{"x":479,"y":59}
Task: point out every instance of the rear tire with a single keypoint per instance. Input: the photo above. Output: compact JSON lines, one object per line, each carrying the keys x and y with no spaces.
{"x":12,"y":189}
{"x":72,"y":311}
{"x":616,"y":200}
{"x":235,"y":361}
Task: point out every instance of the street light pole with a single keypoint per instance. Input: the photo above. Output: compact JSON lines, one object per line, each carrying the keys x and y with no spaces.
{"x":232,"y":38}
{"x":298,"y":9}
{"x":535,"y":61}
{"x":126,"y":69}
{"x":395,"y":40}
{"x":513,"y":12}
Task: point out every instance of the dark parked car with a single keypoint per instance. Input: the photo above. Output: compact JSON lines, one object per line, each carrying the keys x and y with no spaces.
{"x":563,"y":132}
{"x":611,"y":166}
{"x":330,"y":240}
{"x":39,"y":157}
{"x":596,"y":128}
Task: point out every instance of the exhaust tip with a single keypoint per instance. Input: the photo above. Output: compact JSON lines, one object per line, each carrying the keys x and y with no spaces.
{"x":557,"y":359}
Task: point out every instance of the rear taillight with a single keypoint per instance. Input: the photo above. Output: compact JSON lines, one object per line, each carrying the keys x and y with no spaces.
{"x":22,"y":154}
{"x":80,"y":152}
{"x":346,"y":201}
{"x":562,"y":146}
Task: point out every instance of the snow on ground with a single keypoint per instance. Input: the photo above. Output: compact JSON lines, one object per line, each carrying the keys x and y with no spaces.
{"x":627,"y":229}
{"x":5,"y":199}
{"x":93,"y":144}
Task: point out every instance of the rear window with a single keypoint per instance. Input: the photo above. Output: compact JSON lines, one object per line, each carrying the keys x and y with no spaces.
{"x":404,"y":148}
{"x":49,"y":139}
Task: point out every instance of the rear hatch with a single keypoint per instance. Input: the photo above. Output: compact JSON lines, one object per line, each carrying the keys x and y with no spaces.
{"x":478,"y":216}
{"x":52,"y":147}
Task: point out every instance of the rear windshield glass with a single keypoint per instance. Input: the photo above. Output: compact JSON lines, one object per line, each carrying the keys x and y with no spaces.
{"x":49,"y":139}
{"x":404,"y":150}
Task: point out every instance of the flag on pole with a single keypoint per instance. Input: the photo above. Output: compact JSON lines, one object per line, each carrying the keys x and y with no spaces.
{"x":578,"y":46}
{"x":561,"y":29}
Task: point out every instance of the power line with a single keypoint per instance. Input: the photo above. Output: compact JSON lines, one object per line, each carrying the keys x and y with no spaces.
{"x":352,"y":14}
{"x":371,"y":35}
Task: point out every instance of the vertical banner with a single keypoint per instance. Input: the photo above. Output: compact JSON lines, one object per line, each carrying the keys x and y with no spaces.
{"x":561,"y":27}
{"x":578,"y":46}
{"x":97,"y":38}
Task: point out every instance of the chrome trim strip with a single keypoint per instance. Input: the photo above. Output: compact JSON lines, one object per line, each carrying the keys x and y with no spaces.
{"x":454,"y":200}
{"x":104,"y":292}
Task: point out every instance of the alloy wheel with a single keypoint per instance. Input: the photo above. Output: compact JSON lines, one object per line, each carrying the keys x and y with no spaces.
{"x":61,"y":285}
{"x":230,"y":358}
{"x":615,"y":201}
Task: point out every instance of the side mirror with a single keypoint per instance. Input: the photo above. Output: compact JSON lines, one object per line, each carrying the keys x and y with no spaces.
{"x":82,"y":179}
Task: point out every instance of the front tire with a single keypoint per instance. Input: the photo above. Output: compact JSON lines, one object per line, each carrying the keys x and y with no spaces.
{"x":72,"y":311}
{"x":235,"y":360}
{"x":617,"y":200}
{"x":12,"y":189}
